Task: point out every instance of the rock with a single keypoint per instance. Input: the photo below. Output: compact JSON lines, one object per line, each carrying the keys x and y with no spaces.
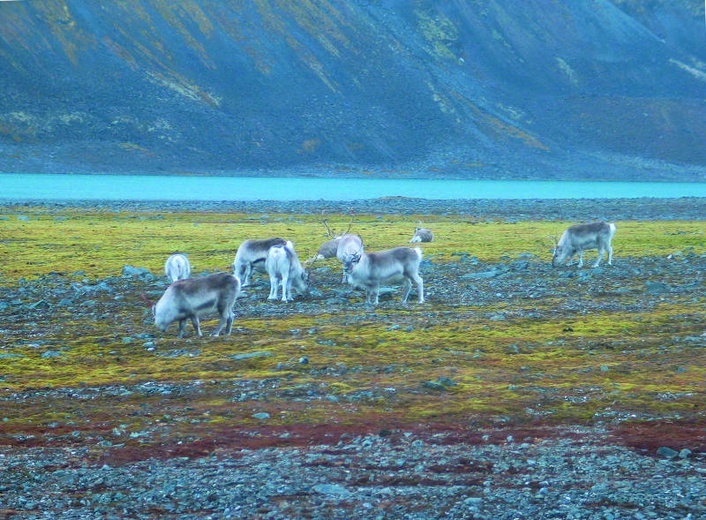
{"x":667,"y":453}
{"x":261,"y":416}
{"x":482,"y":275}
{"x":656,"y":287}
{"x":331,"y":489}
{"x":251,"y":355}
{"x":129,"y":270}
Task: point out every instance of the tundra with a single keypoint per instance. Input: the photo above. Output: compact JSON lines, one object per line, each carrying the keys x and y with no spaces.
{"x":348,"y":246}
{"x":195,"y":297}
{"x":422,"y":235}
{"x":369,"y":270}
{"x":576,"y":239}
{"x":252,"y":252}
{"x":284,"y":268}
{"x":177,"y":267}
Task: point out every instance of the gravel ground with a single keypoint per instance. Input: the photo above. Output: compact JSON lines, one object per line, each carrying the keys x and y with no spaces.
{"x":575,"y":474}
{"x":564,"y":472}
{"x":686,"y":208}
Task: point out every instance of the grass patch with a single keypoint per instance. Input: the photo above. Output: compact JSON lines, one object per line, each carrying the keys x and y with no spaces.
{"x":515,"y":359}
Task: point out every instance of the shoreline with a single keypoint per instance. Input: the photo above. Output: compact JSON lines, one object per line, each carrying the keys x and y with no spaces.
{"x":685,"y":208}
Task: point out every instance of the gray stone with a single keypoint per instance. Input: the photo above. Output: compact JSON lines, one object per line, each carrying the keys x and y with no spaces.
{"x":667,"y":452}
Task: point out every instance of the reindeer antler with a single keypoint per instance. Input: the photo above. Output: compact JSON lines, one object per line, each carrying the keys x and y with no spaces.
{"x":329,"y":233}
{"x":350,"y":224}
{"x":148,"y":303}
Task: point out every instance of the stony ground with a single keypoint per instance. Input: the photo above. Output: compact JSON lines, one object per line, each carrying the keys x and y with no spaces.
{"x":596,"y":471}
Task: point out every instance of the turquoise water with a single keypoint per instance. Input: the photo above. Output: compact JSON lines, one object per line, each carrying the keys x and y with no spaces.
{"x":63,"y":187}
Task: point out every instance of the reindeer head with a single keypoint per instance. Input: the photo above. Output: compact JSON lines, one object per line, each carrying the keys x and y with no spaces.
{"x":351,"y":261}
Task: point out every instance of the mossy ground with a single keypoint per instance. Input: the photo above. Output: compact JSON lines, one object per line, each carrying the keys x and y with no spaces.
{"x":544,"y":348}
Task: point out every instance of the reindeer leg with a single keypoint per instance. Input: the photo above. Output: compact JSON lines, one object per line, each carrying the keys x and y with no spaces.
{"x":610,"y":254}
{"x":580,"y":259}
{"x":601,"y":252}
{"x":247,"y":270}
{"x":197,"y":325}
{"x":273,"y":288}
{"x":285,"y":287}
{"x":376,"y":291}
{"x":407,"y":289}
{"x":229,"y":322}
{"x":182,"y":326}
{"x":221,"y":324}
{"x":420,"y":287}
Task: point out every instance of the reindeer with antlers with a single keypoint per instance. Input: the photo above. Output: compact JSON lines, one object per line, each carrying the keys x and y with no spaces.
{"x":329,"y":248}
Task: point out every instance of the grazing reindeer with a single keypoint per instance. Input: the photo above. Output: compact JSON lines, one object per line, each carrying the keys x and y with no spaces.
{"x":250,"y":253}
{"x":348,"y":246}
{"x":368,"y":270}
{"x":177,"y":267}
{"x":194,"y":297}
{"x":284,"y":268}
{"x":576,"y":239}
{"x":422,"y":235}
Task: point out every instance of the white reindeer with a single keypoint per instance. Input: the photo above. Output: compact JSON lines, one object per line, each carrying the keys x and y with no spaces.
{"x":576,"y":239}
{"x":369,"y":270}
{"x":422,"y":235}
{"x":177,"y":267}
{"x":195,"y":297}
{"x":284,"y":268}
{"x":348,"y":246}
{"x":250,"y":253}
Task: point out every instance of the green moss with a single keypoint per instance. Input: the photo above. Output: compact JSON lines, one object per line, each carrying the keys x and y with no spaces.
{"x":361,"y":367}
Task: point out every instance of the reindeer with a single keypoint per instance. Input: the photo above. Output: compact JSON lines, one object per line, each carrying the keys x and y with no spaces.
{"x":348,"y":246}
{"x":177,"y":267}
{"x":284,"y":268}
{"x":329,"y":248}
{"x":422,"y":234}
{"x":252,"y":252}
{"x":194,"y":297}
{"x":368,"y":270}
{"x":578,"y":238}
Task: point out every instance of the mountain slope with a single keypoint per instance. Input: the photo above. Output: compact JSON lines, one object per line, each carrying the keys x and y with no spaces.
{"x":465,"y":88}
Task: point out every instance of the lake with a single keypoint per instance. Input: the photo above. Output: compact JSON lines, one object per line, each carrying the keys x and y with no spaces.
{"x":66,"y":187}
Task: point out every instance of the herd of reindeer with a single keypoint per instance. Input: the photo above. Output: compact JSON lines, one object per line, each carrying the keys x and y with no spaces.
{"x":190,"y":298}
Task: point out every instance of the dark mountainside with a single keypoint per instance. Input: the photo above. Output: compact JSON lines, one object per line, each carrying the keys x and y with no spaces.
{"x":479,"y":89}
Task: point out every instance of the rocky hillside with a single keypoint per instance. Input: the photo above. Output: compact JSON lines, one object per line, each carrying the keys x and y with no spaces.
{"x":470,"y":88}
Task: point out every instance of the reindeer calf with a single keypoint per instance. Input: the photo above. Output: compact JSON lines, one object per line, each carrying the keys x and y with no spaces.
{"x":284,"y":268}
{"x":576,"y":239}
{"x":252,"y":252}
{"x":177,"y":267}
{"x":368,"y":270}
{"x":194,"y":297}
